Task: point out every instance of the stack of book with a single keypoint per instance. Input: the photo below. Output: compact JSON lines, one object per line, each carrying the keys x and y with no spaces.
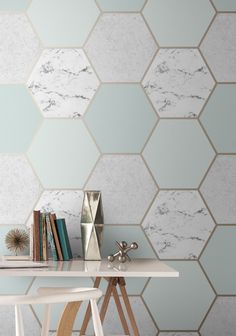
{"x":50,"y":234}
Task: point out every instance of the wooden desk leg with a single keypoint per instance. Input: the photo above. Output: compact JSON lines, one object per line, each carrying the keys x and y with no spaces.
{"x":88,"y":311}
{"x":120,"y":311}
{"x":130,"y":313}
{"x":112,"y":282}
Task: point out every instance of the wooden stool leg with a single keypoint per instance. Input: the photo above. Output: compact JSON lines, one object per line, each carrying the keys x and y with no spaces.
{"x":67,"y":320}
{"x":96,"y":318}
{"x":88,"y":311}
{"x":130,"y":313}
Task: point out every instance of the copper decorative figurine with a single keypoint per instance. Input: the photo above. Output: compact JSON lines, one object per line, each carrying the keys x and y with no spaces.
{"x":122,"y":254}
{"x":92,"y":225}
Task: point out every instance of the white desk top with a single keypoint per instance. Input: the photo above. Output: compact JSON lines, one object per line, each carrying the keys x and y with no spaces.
{"x":103,"y":268}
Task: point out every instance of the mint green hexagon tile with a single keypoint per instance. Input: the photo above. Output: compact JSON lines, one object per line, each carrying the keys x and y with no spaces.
{"x":218,"y":260}
{"x":120,"y":118}
{"x":178,"y":153}
{"x":179,"y":303}
{"x":14,"y":5}
{"x":178,"y":23}
{"x":121,"y":5}
{"x":63,"y":23}
{"x":20,"y":189}
{"x":129,"y":234}
{"x":57,"y":309}
{"x":223,"y":5}
{"x":20,"y":47}
{"x":19,"y":118}
{"x":219,"y":118}
{"x":63,"y":153}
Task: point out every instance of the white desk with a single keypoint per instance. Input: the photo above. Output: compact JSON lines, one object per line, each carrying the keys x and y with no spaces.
{"x":115,"y":274}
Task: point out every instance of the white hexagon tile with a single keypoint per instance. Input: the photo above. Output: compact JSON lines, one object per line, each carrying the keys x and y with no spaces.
{"x":20,"y":189}
{"x":219,"y":189}
{"x":63,"y":83}
{"x":221,"y":319}
{"x":121,"y":47}
{"x":178,"y":224}
{"x":219,"y":47}
{"x":19,"y":48}
{"x":126,"y":185}
{"x":31,"y":325}
{"x":66,"y":204}
{"x":178,"y":83}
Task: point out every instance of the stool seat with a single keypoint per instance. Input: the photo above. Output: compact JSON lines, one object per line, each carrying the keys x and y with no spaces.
{"x":49,"y":295}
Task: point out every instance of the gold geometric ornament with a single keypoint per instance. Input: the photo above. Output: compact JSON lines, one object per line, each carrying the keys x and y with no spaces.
{"x":92,"y":224}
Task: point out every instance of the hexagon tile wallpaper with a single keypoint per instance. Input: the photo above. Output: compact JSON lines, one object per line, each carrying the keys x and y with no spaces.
{"x":136,"y":98}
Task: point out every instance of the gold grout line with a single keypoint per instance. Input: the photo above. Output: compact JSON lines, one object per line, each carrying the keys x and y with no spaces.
{"x":208,"y":66}
{"x":150,"y":30}
{"x":35,"y":315}
{"x":93,"y":27}
{"x":34,"y":29}
{"x":149,"y":312}
{"x":213,"y":5}
{"x":148,"y":68}
{"x":207,"y":313}
{"x":207,"y":277}
{"x":92,"y":171}
{"x":206,"y":101}
{"x":208,"y":27}
{"x":149,"y":242}
{"x":205,"y":175}
{"x":27,"y":8}
{"x":206,"y":243}
{"x":150,"y":172}
{"x":143,"y":6}
{"x":98,"y":6}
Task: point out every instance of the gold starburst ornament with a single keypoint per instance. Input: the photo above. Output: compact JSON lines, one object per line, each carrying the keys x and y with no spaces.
{"x":17,"y":240}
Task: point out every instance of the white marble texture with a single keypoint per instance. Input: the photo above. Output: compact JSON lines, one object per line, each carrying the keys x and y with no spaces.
{"x":19,"y":189}
{"x":66,"y":204}
{"x":126,"y":185}
{"x":219,"y":47}
{"x":178,"y":83}
{"x":19,"y":48}
{"x":112,"y":324}
{"x":63,"y":83}
{"x":219,"y":189}
{"x":221,"y":319}
{"x":31,"y":325}
{"x":121,"y":47}
{"x":178,"y":224}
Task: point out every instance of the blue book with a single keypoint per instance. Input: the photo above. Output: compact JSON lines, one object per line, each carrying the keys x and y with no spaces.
{"x":63,"y":238}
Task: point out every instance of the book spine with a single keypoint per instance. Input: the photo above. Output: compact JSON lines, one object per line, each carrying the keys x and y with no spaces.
{"x":52,"y":218}
{"x":41,"y":235}
{"x":36,"y":235}
{"x":61,"y":233}
{"x":67,"y":240}
{"x":45,"y":240}
{"x":51,"y":239}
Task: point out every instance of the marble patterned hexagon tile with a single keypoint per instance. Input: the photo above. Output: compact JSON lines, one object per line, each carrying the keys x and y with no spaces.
{"x":63,"y":83}
{"x":178,"y":83}
{"x":20,"y":189}
{"x":126,"y":185}
{"x":66,"y":204}
{"x":178,"y":224}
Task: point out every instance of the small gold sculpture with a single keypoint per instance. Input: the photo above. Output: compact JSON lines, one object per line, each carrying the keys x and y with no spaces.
{"x":17,"y":240}
{"x":122,"y":254}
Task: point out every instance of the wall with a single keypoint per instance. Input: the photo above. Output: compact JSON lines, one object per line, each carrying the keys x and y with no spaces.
{"x":137,"y":99}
